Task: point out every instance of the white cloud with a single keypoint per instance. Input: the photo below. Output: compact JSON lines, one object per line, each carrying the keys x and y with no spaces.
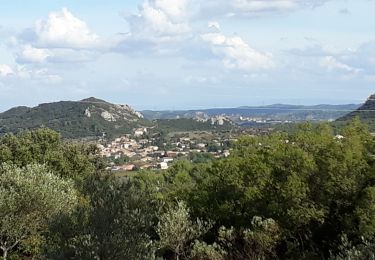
{"x":359,"y":61}
{"x":63,"y":30}
{"x":41,"y":75}
{"x":169,"y":25}
{"x":160,"y":20}
{"x":159,"y":27}
{"x":362,"y":57}
{"x":332,"y":64}
{"x":24,"y":73}
{"x":169,"y":20}
{"x":61,"y":37}
{"x":236,"y":53}
{"x":257,"y":6}
{"x":175,"y":9}
{"x":230,"y":8}
{"x":29,"y":54}
{"x":5,"y":70}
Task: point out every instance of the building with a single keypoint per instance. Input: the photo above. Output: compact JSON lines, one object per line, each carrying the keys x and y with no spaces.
{"x":163,"y":165}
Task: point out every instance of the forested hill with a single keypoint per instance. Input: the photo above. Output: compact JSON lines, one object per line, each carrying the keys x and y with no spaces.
{"x":74,"y":119}
{"x":366,"y":113}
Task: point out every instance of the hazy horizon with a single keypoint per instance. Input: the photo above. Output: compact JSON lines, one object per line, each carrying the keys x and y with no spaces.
{"x":187,"y":108}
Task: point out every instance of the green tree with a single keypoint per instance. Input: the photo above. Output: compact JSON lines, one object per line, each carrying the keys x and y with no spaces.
{"x":44,"y":146}
{"x":310,"y":182}
{"x":114,"y":223}
{"x":29,"y":198}
{"x":257,"y":242}
{"x":364,"y":250}
{"x":177,"y":231}
{"x":365,"y":212}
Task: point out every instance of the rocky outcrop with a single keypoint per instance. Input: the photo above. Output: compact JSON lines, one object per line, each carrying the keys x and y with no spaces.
{"x":88,"y":113}
{"x":108,"y":116}
{"x":129,"y":109}
{"x":219,"y":120}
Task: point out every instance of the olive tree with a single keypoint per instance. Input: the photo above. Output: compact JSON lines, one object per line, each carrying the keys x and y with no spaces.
{"x":177,"y":231}
{"x":29,"y":198}
{"x":115,"y":222}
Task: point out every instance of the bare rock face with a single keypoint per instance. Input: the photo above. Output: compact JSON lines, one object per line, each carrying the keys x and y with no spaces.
{"x":138,"y":114}
{"x":130,"y":110}
{"x":108,"y":116}
{"x":218,"y":120}
{"x":111,"y":112}
{"x":88,"y":112}
{"x":201,"y":117}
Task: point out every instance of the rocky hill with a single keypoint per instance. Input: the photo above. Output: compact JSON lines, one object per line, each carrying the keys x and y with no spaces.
{"x":366,"y":113}
{"x":74,"y":119}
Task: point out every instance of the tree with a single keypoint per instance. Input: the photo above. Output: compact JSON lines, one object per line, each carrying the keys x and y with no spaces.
{"x":44,"y":146}
{"x":366,"y":213}
{"x":364,"y":250}
{"x":114,"y":223}
{"x":314,"y":185}
{"x":177,"y":232}
{"x":259,"y":242}
{"x":29,"y":198}
{"x":29,"y":146}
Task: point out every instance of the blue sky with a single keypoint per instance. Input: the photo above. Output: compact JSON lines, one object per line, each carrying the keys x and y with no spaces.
{"x":177,"y":54}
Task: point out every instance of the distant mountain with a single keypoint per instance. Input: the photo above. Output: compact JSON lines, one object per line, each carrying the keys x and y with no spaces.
{"x":272,"y":112}
{"x":74,"y":119}
{"x":366,"y":113}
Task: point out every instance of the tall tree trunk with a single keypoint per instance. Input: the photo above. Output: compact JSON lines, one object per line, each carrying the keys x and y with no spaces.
{"x":5,"y":254}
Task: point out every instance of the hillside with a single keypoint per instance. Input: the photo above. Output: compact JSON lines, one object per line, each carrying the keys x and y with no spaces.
{"x":366,"y":113}
{"x":74,"y":119}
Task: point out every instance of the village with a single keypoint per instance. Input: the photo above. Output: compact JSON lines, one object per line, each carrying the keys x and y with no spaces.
{"x":139,"y":151}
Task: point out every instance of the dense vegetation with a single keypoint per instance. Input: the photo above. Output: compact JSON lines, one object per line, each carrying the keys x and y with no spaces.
{"x":305,"y":195}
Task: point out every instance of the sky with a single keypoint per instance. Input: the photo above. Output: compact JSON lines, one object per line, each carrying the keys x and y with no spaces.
{"x":187,"y":54}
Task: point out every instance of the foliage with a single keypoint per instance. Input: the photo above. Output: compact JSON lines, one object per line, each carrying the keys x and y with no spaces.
{"x":200,"y":157}
{"x":308,"y":194}
{"x":365,"y":213}
{"x":309,"y":182}
{"x":203,"y":251}
{"x":114,"y":224}
{"x":44,"y":146}
{"x":177,"y":232}
{"x":365,"y":250}
{"x":259,"y":242}
{"x":29,"y":198}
